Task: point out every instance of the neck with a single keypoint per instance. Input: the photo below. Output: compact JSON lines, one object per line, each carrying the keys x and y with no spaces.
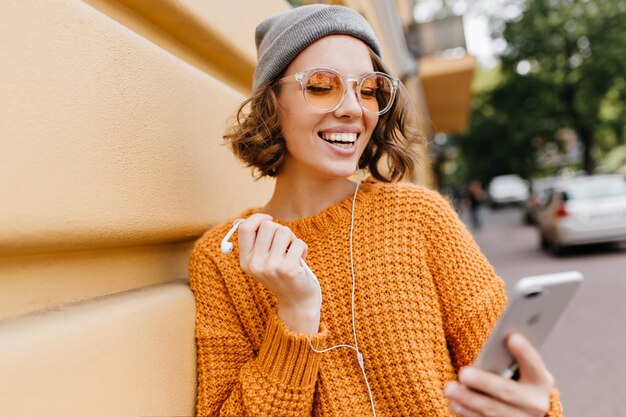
{"x":297,"y":198}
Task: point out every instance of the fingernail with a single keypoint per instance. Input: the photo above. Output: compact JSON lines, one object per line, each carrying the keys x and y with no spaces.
{"x":467,"y":375}
{"x":515,"y":339}
{"x":456,"y":408}
{"x":450,"y":389}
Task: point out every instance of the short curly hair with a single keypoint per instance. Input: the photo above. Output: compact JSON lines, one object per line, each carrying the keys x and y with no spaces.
{"x":256,"y":135}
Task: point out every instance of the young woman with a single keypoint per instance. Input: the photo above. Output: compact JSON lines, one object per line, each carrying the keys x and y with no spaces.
{"x":344,"y":298}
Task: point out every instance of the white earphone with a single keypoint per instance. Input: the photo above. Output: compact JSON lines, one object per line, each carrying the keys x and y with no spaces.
{"x":226,"y":246}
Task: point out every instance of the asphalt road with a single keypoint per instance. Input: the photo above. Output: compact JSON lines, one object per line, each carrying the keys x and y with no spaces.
{"x":587,"y":351}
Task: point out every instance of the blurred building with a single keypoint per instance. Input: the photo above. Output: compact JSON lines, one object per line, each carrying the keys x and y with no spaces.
{"x":112,"y":165}
{"x":446,"y":71}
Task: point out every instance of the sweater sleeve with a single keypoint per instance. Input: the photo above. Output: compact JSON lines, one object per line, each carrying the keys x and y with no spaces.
{"x":471,"y":295}
{"x":233,"y":379}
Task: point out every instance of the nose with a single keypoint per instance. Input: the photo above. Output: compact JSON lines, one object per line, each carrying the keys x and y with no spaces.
{"x":350,"y":106}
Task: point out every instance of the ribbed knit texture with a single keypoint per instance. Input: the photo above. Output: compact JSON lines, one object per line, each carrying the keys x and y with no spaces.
{"x":426,"y":299}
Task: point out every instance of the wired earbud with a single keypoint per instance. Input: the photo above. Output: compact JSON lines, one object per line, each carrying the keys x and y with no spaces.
{"x":226,"y":246}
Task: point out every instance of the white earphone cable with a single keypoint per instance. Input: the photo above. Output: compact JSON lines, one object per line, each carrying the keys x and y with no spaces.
{"x":359,"y":356}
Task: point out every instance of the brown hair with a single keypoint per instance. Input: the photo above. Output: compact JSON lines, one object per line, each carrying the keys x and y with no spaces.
{"x":256,"y":137}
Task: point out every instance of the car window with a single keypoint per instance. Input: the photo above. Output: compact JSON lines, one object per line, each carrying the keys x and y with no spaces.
{"x":596,"y":189}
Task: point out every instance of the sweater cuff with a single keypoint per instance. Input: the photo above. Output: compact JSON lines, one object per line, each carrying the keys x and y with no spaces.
{"x":556,"y":409}
{"x":287,"y":357}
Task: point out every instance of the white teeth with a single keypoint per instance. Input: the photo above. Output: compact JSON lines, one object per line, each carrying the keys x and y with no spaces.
{"x":340,"y":137}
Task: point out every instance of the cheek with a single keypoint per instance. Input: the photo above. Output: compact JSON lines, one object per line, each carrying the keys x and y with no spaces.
{"x":295,"y":117}
{"x":287,"y":121}
{"x":370,"y":126}
{"x":285,"y":111}
{"x":370,"y":123}
{"x":296,"y":126}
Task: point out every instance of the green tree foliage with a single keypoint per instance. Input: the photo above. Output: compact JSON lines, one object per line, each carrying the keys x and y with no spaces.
{"x":565,"y":66}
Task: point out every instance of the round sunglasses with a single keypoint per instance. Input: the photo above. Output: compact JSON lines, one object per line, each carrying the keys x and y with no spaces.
{"x":325,"y":89}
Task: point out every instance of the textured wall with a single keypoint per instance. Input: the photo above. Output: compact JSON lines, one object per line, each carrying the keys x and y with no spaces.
{"x":108,"y":141}
{"x":131,"y":354}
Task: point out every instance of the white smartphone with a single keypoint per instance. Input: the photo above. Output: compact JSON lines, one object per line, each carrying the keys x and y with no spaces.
{"x":536,"y":305}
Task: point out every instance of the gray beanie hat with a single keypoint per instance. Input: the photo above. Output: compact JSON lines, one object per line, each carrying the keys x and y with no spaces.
{"x":280,"y":38}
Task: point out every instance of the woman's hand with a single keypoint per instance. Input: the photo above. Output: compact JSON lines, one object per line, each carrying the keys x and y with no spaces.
{"x":271,"y":254}
{"x":480,"y":394}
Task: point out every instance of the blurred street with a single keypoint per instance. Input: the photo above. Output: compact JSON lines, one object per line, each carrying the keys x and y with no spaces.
{"x":587,"y":351}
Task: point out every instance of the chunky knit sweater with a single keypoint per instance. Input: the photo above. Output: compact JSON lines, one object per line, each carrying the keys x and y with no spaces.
{"x":426,"y":299}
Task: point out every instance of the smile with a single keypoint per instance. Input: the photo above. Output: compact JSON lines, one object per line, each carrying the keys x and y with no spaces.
{"x":343,"y":140}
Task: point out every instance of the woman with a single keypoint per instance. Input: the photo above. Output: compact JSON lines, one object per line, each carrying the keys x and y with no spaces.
{"x":407,"y":297}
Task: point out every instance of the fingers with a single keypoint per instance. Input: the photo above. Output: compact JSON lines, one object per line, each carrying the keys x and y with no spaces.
{"x":260,"y":233}
{"x":480,"y":393}
{"x":248,"y":230}
{"x":265,"y":239}
{"x":268,"y":249}
{"x":297,"y":249}
{"x":504,"y":390}
{"x":468,"y":403}
{"x":531,"y":366}
{"x":281,"y":241}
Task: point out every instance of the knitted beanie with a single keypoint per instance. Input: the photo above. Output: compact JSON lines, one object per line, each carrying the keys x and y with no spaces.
{"x":280,"y":38}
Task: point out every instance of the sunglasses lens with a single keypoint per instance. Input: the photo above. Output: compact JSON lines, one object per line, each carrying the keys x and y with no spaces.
{"x":376,"y":93}
{"x":324,"y":90}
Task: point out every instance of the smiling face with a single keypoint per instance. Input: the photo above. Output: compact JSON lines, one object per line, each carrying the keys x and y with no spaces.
{"x":326,"y":145}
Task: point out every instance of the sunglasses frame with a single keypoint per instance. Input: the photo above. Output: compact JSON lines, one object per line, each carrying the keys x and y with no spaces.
{"x":303,"y":77}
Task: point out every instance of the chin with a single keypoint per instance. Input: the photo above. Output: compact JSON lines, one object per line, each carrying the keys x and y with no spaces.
{"x":342,"y":173}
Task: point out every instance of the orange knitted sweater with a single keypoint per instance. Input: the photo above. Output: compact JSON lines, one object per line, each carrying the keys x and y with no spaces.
{"x":426,"y":299}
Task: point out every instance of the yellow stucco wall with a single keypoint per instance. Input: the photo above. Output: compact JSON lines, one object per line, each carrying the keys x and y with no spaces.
{"x":129,"y":354}
{"x":109,"y":141}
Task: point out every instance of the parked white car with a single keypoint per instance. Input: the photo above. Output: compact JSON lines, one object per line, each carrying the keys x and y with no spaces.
{"x":507,"y":189}
{"x":584,"y":210}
